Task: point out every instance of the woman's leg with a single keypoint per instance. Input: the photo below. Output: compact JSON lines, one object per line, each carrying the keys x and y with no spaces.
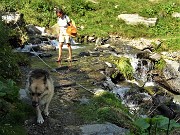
{"x":68,"y":42}
{"x":60,"y":51}
{"x":69,"y":51}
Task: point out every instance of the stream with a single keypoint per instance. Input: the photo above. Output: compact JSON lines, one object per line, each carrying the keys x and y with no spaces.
{"x":143,"y":91}
{"x":133,"y":93}
{"x":142,"y":67}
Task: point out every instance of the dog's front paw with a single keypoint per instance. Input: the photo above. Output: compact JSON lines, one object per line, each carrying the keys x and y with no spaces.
{"x":40,"y":120}
{"x":46,"y":113}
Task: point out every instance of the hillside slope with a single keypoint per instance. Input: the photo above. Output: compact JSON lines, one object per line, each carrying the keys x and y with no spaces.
{"x":100,"y":17}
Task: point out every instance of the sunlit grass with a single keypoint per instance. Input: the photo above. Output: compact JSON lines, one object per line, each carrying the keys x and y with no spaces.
{"x":100,"y":20}
{"x":105,"y":107}
{"x":125,"y":67}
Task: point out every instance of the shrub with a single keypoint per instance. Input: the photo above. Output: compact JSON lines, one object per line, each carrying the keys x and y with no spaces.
{"x":9,"y":68}
{"x":12,"y":111}
{"x":9,"y":91}
{"x":8,"y":64}
{"x":156,"y":125}
{"x":4,"y":33}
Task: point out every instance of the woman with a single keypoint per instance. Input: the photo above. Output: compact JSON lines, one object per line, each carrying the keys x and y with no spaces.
{"x":63,"y":22}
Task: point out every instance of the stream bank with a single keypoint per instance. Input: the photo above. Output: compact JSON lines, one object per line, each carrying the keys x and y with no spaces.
{"x":91,"y":69}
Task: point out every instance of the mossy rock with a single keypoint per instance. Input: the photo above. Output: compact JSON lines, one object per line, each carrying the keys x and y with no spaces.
{"x":87,"y":70}
{"x":97,"y":76}
{"x":54,"y":30}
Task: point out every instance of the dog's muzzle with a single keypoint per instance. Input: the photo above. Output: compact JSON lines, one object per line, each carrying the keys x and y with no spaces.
{"x":35,"y":104}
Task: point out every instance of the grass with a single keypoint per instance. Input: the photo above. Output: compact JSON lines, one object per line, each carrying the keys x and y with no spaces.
{"x":105,"y":107}
{"x":12,"y":122}
{"x":12,"y":130}
{"x":101,"y":20}
{"x":125,"y":67}
{"x":160,"y":65}
{"x":172,"y":44}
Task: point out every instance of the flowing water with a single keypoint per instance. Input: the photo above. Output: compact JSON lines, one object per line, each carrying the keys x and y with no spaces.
{"x":143,"y":78}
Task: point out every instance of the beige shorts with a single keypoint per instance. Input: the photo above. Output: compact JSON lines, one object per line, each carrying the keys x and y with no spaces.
{"x":64,"y":37}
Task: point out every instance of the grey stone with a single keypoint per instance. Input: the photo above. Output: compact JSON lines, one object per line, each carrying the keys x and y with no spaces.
{"x":172,"y":75}
{"x":155,"y":56}
{"x":176,"y":15}
{"x":32,"y":29}
{"x":134,"y":19}
{"x":103,"y":129}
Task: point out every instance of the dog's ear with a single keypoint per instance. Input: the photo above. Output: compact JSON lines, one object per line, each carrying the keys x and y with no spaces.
{"x":46,"y":77}
{"x":31,"y":80}
{"x":28,"y":84}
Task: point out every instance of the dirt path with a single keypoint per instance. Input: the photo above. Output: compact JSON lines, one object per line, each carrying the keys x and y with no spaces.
{"x":63,"y":118}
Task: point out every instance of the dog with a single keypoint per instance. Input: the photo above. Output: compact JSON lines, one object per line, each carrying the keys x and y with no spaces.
{"x":40,"y":89}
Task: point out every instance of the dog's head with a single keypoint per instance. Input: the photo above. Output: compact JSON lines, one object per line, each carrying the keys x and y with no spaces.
{"x":37,"y":86}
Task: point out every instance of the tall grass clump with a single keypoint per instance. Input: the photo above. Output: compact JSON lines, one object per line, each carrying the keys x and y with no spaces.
{"x":125,"y":67}
{"x":160,"y":65}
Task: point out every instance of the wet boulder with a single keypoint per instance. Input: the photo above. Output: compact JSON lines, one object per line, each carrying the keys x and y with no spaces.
{"x":31,"y":29}
{"x":169,"y":78}
{"x":172,"y":76}
{"x":115,"y":75}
